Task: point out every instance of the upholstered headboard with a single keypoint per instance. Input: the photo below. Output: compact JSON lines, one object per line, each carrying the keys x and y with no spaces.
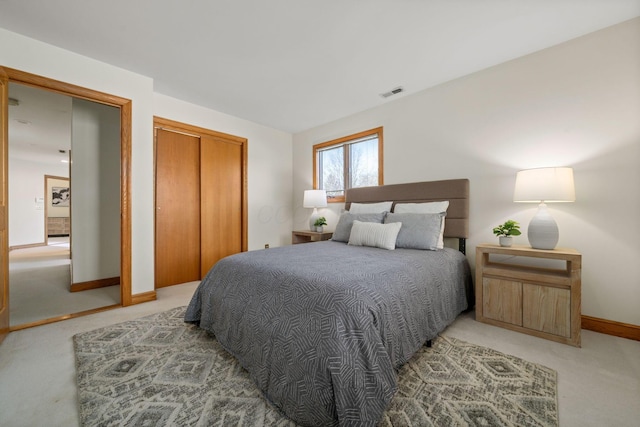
{"x":456,"y":191}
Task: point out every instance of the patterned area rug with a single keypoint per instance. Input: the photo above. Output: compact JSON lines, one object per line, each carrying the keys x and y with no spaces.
{"x":159,"y":371}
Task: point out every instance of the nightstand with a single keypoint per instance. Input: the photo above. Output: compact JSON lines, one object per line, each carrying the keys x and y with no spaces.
{"x":309,"y":236}
{"x":521,"y":295}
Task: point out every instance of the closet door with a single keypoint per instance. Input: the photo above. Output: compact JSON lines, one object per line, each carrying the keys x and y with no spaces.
{"x":221,"y":174}
{"x":177,"y":226}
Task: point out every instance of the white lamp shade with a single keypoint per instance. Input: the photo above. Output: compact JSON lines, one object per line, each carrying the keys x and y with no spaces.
{"x":545,"y":185}
{"x":314,"y":199}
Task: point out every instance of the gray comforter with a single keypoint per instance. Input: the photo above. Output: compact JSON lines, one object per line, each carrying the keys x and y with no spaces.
{"x":322,"y":327}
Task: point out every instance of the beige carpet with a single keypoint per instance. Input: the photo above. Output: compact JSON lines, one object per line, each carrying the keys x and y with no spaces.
{"x":39,"y":280}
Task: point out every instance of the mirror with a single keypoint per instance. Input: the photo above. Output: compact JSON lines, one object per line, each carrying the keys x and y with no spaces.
{"x":43,"y":219}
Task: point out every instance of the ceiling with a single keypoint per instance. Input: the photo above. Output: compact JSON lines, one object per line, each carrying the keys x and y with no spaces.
{"x":296,"y":64}
{"x":40,"y":125}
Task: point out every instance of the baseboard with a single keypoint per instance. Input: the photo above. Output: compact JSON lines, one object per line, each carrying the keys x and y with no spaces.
{"x":30,"y":245}
{"x":63,"y":317}
{"x":95,"y":284}
{"x":609,"y":327}
{"x":143,"y":297}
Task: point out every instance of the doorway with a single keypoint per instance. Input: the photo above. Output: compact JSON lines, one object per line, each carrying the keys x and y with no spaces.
{"x":8,"y":76}
{"x":51,"y":133}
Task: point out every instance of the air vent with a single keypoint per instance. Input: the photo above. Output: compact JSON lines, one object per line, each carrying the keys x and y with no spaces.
{"x":392,"y":92}
{"x":13,"y":102}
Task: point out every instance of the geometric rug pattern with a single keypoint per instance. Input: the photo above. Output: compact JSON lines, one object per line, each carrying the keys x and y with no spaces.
{"x":455,"y":383}
{"x":160,"y":371}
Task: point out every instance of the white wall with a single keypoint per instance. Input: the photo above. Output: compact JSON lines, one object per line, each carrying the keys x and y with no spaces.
{"x":576,"y":104}
{"x":95,"y":191}
{"x":26,"y":184}
{"x":269,"y":150}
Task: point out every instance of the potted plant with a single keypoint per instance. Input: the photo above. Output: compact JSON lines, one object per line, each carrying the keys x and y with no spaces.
{"x":506,"y":231}
{"x":319,"y":223}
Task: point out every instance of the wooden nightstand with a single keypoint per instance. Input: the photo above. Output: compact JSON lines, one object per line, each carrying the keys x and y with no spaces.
{"x":309,"y":236}
{"x":540,"y":301}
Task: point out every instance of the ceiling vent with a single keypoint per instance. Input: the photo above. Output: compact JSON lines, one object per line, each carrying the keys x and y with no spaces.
{"x":392,"y":92}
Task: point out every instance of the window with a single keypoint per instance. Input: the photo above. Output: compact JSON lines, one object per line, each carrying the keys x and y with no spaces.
{"x":348,"y":162}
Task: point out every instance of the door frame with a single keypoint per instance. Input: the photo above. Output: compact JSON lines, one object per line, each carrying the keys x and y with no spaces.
{"x":9,"y":75}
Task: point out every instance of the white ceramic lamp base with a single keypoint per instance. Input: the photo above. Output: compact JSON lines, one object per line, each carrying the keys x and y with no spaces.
{"x":543,"y":230}
{"x":312,"y":220}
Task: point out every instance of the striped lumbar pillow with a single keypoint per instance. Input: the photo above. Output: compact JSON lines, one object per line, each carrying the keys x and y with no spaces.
{"x":375,"y":235}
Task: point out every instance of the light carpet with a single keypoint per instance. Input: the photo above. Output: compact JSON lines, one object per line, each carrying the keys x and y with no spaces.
{"x":39,"y":282}
{"x":159,"y":371}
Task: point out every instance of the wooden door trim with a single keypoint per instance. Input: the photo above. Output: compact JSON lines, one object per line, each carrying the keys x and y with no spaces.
{"x":8,"y":75}
{"x":162,"y":123}
{"x":167,"y":124}
{"x":4,"y":195}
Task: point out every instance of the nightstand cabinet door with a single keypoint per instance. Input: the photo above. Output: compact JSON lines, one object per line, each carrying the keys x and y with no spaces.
{"x":547,"y":309}
{"x":502,"y":300}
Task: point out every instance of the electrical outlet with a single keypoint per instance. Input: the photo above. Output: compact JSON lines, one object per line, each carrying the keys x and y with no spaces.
{"x":266,"y":246}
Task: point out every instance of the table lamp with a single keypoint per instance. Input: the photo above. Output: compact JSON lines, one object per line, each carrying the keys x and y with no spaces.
{"x":541,"y":186}
{"x":314,"y":199}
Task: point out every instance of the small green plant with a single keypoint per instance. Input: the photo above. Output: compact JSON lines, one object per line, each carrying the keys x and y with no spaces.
{"x":509,"y":228}
{"x":320,"y":222}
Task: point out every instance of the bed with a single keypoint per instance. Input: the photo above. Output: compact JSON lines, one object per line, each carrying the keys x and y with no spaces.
{"x":323,"y":327}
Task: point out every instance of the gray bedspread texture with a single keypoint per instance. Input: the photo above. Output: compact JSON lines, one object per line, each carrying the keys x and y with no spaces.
{"x":322,"y":327}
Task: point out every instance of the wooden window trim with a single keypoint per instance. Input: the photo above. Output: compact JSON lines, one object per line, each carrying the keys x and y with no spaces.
{"x":345,"y":139}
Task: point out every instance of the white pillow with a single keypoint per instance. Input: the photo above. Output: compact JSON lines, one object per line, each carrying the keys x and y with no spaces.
{"x":427,"y":207}
{"x":375,"y":235}
{"x":360,"y":208}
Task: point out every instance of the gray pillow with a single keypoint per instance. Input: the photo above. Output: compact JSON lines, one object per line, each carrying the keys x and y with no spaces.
{"x":345,"y":222}
{"x":419,"y":231}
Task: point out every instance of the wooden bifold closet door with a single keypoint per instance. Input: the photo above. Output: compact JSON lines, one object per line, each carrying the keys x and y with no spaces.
{"x":200,"y":203}
{"x":177,"y":208}
{"x":221,"y":201}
